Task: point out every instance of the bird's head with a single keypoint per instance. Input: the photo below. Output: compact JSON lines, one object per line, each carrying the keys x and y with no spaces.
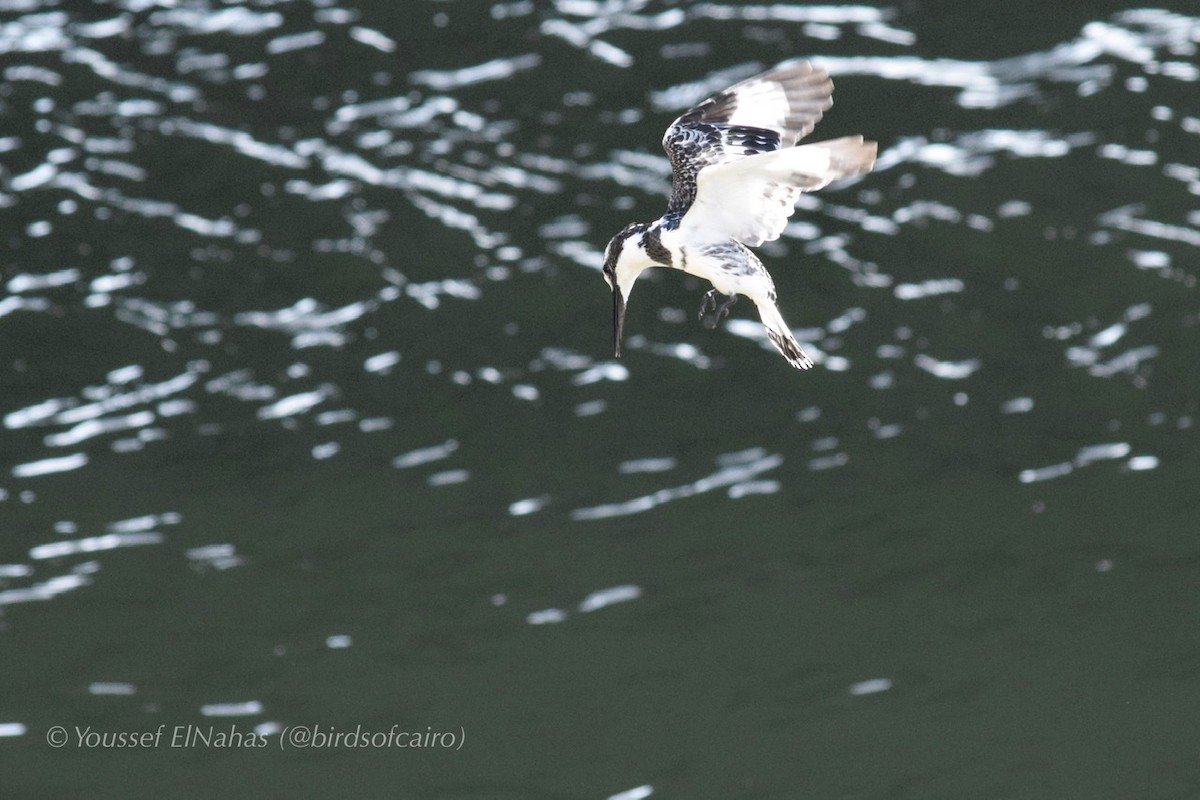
{"x":624,"y":259}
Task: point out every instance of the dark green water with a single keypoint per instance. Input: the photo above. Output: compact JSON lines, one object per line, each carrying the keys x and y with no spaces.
{"x":309,"y":420}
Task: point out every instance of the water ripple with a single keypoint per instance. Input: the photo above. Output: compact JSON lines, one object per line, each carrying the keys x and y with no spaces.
{"x":195,"y":201}
{"x":732,"y":473}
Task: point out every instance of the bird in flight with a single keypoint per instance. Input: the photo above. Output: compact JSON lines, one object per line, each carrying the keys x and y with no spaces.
{"x":736,"y":176}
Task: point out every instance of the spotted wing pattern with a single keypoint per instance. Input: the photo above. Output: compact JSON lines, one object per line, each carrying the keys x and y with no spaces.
{"x":750,"y":199}
{"x":764,"y":113}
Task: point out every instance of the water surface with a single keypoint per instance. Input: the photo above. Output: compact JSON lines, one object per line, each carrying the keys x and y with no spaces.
{"x":309,"y":415}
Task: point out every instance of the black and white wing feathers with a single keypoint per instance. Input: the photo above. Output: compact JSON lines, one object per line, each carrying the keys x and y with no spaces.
{"x":751,"y":199}
{"x":737,"y":172}
{"x":761,"y":114}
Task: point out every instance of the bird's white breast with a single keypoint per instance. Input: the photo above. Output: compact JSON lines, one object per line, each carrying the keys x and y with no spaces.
{"x":722,"y":263}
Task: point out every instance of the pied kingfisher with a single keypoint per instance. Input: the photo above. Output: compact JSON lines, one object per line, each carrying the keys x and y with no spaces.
{"x":736,"y":177}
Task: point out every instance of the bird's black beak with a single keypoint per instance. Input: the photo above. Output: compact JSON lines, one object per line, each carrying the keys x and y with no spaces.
{"x":618,"y":319}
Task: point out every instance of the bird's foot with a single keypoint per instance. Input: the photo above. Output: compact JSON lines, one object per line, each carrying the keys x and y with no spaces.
{"x":720,"y":310}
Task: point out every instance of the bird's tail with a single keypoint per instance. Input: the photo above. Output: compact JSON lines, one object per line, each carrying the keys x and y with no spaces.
{"x":781,"y":335}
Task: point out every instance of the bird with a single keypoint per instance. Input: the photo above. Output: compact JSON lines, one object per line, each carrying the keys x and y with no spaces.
{"x":736,"y":175}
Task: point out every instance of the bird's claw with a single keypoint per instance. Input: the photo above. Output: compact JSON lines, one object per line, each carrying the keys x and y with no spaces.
{"x":709,"y":299}
{"x":720,"y":310}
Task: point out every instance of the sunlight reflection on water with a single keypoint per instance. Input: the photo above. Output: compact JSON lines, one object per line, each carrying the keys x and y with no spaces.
{"x":231,"y":229}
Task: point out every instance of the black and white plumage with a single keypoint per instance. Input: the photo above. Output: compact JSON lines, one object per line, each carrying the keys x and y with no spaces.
{"x":736,"y":176}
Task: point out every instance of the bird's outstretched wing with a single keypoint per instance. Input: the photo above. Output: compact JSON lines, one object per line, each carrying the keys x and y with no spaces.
{"x":750,"y":199}
{"x":761,"y":114}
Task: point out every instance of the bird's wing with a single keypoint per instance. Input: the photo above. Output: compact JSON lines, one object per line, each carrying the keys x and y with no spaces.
{"x":764,"y":113}
{"x":750,"y":199}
